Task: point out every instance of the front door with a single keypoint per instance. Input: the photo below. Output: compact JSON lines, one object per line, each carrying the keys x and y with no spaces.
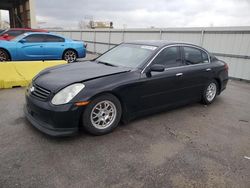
{"x":163,"y":88}
{"x":31,"y":48}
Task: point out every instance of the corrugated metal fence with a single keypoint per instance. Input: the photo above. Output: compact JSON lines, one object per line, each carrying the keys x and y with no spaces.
{"x":231,"y":44}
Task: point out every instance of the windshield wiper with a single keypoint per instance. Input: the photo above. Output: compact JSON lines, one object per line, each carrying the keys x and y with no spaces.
{"x":105,"y":63}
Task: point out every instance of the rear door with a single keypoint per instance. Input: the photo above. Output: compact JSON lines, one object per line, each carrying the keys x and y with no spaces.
{"x":54,"y":47}
{"x":196,"y":72}
{"x":31,"y":48}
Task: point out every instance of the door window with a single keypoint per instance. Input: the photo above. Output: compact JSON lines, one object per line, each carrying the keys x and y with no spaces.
{"x":51,"y":38}
{"x":169,"y":57}
{"x":194,"y":56}
{"x":35,"y":38}
{"x":205,"y":57}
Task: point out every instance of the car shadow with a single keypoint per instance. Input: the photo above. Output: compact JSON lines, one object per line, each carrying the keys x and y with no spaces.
{"x":82,"y":134}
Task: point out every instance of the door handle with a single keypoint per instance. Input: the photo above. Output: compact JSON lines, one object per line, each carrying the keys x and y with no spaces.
{"x":179,"y":74}
{"x":208,"y":69}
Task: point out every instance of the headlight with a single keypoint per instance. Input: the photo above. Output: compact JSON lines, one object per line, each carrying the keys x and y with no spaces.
{"x":67,"y":94}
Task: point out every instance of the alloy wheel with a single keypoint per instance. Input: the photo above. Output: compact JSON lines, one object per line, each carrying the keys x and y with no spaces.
{"x":103,"y":114}
{"x":211,"y":91}
{"x":70,"y":56}
{"x":3,"y":56}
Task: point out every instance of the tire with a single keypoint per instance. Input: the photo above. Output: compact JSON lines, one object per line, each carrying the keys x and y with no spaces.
{"x":70,"y":56}
{"x":210,"y":92}
{"x":102,"y":115}
{"x":4,"y":56}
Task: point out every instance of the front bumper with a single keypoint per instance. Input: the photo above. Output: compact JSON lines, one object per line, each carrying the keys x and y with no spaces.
{"x":52,"y":120}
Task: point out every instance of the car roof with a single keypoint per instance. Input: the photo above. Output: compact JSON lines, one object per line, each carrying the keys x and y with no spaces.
{"x":160,"y":43}
{"x":46,"y":33}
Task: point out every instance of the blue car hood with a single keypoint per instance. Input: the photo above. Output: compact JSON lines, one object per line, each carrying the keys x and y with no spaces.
{"x":58,"y":77}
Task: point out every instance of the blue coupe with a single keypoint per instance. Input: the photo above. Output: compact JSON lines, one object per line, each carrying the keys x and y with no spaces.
{"x":41,"y":46}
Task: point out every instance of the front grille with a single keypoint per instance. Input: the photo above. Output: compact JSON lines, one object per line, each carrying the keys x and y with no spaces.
{"x":40,"y":93}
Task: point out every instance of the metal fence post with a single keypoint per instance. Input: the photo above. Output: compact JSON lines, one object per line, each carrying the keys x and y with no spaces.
{"x":123,"y":35}
{"x":94,"y":41}
{"x":202,"y":38}
{"x":109,"y":38}
{"x":160,"y":34}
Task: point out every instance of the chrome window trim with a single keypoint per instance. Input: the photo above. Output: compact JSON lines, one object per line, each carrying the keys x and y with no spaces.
{"x":178,"y":45}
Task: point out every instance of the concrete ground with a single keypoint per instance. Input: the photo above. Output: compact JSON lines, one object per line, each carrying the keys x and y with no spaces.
{"x":192,"y":146}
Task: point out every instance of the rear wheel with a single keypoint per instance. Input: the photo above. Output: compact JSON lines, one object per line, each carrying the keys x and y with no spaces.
{"x":210,"y":92}
{"x":4,"y":56}
{"x":70,"y":56}
{"x":102,"y":115}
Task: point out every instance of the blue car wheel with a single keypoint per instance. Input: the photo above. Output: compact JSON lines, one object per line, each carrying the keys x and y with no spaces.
{"x":70,"y":56}
{"x":4,"y":56}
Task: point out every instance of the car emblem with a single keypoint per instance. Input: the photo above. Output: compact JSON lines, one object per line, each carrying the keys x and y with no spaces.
{"x":32,"y":89}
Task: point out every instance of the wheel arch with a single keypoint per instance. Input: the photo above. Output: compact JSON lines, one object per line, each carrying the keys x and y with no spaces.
{"x":124,"y":117}
{"x":219,"y":85}
{"x":7,"y":51}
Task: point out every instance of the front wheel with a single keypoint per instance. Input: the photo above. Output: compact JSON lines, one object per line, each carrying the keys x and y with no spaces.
{"x":210,"y":92}
{"x":102,"y":115}
{"x":4,"y":56}
{"x":70,"y":56}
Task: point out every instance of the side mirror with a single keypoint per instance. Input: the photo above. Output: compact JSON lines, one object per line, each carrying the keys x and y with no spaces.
{"x":155,"y":68}
{"x":6,"y":35}
{"x":22,"y":40}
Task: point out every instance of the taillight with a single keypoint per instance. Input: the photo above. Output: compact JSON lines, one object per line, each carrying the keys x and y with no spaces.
{"x":226,"y":67}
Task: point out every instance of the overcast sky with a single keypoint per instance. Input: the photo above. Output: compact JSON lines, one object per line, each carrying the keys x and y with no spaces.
{"x":144,"y":13}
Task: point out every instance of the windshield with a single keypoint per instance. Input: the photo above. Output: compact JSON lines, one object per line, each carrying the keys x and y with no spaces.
{"x":19,"y":37}
{"x":127,"y":55}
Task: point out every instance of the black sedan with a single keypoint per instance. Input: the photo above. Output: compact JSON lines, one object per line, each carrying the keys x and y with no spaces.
{"x":128,"y":81}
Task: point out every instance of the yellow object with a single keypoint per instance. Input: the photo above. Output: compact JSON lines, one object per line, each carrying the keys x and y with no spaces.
{"x":14,"y":74}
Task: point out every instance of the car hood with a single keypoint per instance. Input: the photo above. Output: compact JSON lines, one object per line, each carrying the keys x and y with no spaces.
{"x":58,"y":77}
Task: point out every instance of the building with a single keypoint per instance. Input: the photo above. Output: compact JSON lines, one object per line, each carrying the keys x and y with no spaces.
{"x":21,"y":13}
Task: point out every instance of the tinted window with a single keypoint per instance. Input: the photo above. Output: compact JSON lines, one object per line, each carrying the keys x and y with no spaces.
{"x":51,"y":38}
{"x":13,"y":33}
{"x":204,"y":57}
{"x":35,"y":38}
{"x":194,"y":56}
{"x":170,"y":57}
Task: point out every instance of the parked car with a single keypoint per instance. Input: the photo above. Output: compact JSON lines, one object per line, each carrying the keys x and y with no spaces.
{"x":41,"y":46}
{"x":14,"y":32}
{"x":130,"y":80}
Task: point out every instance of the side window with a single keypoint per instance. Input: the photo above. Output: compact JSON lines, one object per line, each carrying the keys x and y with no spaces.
{"x":204,"y":57}
{"x":194,"y":56}
{"x":170,"y":57}
{"x":35,"y":38}
{"x":51,"y":38}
